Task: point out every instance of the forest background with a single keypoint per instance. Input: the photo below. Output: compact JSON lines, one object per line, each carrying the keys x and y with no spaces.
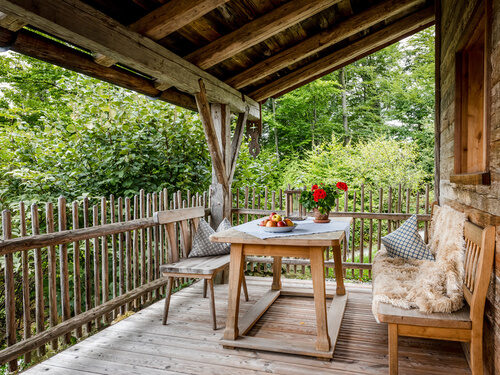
{"x":62,"y":133}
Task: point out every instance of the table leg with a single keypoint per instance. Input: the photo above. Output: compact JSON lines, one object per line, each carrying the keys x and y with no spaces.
{"x":233,"y":303}
{"x":318,"y":277}
{"x":276,"y":273}
{"x":339,"y":274}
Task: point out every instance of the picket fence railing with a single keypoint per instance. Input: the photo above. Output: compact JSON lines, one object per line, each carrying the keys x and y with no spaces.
{"x":101,"y":261}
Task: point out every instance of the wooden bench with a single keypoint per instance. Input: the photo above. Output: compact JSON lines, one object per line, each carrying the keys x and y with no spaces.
{"x":465,"y":325}
{"x":198,"y":267}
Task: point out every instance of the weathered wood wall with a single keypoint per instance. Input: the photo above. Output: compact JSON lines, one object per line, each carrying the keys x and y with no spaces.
{"x":482,"y":202}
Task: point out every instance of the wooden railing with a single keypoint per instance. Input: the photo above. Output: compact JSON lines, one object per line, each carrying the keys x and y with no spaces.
{"x":107,"y":263}
{"x":375,"y":213}
{"x":103,"y":259}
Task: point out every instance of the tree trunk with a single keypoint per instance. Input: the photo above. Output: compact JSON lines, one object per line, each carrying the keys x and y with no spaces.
{"x":275,"y":131}
{"x":347,"y":137}
{"x":313,"y":126}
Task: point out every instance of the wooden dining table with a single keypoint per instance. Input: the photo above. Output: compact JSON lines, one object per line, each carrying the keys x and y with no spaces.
{"x":311,"y":246}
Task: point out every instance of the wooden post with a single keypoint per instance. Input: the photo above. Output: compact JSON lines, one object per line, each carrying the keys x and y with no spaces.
{"x":216,"y":119}
{"x":221,"y":199}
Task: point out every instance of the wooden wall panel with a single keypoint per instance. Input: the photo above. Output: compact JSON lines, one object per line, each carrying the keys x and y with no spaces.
{"x":480,"y":201}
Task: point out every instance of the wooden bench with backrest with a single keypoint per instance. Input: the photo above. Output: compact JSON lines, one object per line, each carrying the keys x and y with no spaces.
{"x":198,"y":267}
{"x":465,"y":325}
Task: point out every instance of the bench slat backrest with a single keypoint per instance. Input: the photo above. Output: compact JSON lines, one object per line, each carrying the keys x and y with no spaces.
{"x":478,"y":263}
{"x":188,"y":220}
{"x":479,"y":253}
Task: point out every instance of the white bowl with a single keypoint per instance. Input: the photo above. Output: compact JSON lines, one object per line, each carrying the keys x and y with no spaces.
{"x":278,"y":229}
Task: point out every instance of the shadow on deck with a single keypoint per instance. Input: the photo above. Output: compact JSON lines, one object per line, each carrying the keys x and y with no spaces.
{"x":187,"y":345}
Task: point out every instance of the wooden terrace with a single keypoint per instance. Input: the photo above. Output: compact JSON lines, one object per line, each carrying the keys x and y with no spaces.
{"x":139,"y":344}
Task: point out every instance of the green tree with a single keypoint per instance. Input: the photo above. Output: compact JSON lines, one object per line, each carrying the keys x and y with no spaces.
{"x":65,"y":133}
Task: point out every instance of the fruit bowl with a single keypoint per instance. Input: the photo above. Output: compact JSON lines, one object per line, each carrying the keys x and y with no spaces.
{"x":278,"y":229}
{"x":276,"y":224}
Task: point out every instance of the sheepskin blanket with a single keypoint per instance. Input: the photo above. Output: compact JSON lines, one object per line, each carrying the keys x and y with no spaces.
{"x":431,"y":286}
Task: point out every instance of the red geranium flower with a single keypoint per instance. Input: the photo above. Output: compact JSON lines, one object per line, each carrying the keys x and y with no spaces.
{"x":314,"y":187}
{"x":342,"y":186}
{"x":319,"y":194}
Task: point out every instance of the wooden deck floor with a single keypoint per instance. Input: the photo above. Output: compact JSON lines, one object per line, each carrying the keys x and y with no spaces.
{"x":187,"y":345}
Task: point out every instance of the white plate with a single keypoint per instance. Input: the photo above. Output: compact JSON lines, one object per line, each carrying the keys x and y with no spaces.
{"x":278,"y":229}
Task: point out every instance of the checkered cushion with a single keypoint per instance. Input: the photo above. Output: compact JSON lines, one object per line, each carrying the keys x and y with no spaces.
{"x":203,"y":247}
{"x":405,"y":242}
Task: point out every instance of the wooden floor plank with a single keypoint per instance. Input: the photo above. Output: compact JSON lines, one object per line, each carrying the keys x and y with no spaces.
{"x":140,"y":344}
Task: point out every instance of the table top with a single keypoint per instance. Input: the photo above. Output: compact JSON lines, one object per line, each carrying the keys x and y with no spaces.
{"x":318,"y":239}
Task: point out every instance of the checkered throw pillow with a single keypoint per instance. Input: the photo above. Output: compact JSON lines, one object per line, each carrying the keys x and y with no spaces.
{"x":405,"y":242}
{"x":203,"y":247}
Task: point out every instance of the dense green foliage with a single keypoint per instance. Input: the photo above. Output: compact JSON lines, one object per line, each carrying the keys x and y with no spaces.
{"x":64,"y":133}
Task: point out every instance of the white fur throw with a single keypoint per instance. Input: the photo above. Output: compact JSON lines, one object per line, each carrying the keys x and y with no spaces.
{"x":431,"y":286}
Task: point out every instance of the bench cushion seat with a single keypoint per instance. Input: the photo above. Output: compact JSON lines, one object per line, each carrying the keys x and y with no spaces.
{"x":388,"y":313}
{"x":198,"y":265}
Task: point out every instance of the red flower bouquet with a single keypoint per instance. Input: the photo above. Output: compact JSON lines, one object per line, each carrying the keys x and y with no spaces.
{"x":321,"y":198}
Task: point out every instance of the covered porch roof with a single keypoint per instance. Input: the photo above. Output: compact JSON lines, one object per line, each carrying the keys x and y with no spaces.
{"x":244,"y":51}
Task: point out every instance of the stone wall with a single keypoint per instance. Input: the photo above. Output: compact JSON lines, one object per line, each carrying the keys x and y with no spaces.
{"x":480,"y":201}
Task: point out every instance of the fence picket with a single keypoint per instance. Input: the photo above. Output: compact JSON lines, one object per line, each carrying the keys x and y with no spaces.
{"x":77,"y":293}
{"x":63,"y":267}
{"x":10,"y":298}
{"x":88,"y":264}
{"x":53,"y":318}
{"x":97,"y":291}
{"x":25,"y":281}
{"x":39,"y":299}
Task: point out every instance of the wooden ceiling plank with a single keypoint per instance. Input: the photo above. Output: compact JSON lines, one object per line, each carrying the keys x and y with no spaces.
{"x":355,"y":58}
{"x":78,"y":23}
{"x":385,"y":36}
{"x":318,"y":42}
{"x":257,"y":31}
{"x":172,"y":16}
{"x":31,"y":44}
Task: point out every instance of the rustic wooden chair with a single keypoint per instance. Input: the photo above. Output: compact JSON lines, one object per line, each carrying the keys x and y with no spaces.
{"x":198,"y":267}
{"x":465,"y":325}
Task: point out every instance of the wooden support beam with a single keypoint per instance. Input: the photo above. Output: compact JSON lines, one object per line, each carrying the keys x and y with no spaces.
{"x":162,"y":86}
{"x":384,"y":37}
{"x":10,"y":22}
{"x":103,"y":60}
{"x":78,"y":23}
{"x":318,"y":42}
{"x":257,"y":31}
{"x":34,"y":45}
{"x":211,"y":135}
{"x":236,"y":142}
{"x":172,"y":16}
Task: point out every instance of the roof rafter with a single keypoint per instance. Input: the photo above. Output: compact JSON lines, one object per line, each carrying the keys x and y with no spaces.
{"x":257,"y":31}
{"x":82,"y":25}
{"x":352,"y":52}
{"x":30,"y":44}
{"x":320,"y":41}
{"x":172,"y":16}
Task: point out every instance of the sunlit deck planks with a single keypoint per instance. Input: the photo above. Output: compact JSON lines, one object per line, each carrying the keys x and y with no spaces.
{"x":188,"y":345}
